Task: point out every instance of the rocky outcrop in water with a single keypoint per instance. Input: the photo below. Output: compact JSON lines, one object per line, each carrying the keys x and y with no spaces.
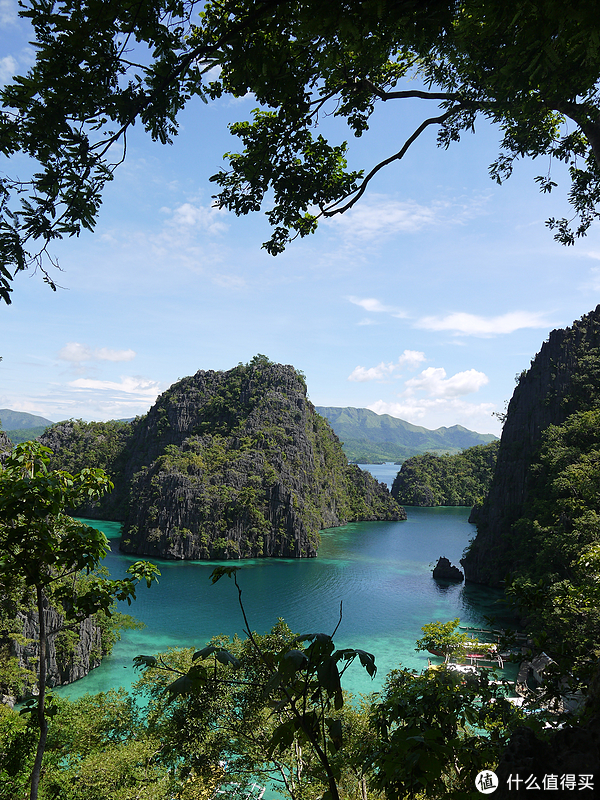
{"x":445,"y":571}
{"x":234,"y":464}
{"x":563,"y":378}
{"x":240,"y":465}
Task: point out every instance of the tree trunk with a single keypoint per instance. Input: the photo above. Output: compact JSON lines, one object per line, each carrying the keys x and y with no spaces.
{"x":41,"y":711}
{"x":363,"y":788}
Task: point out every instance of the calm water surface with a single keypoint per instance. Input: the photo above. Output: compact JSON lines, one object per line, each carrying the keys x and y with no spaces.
{"x":380,"y":571}
{"x":383,"y":472}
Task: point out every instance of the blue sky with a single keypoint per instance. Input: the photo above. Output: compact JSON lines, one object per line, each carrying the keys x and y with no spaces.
{"x":424,"y":301}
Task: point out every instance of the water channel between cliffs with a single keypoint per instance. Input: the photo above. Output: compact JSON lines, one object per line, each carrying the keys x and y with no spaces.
{"x":380,"y":570}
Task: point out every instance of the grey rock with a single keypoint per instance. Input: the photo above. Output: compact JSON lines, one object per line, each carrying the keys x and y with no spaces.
{"x":64,"y":665}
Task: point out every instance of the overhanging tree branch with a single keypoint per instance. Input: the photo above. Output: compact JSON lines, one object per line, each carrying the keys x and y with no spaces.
{"x":332,"y":209}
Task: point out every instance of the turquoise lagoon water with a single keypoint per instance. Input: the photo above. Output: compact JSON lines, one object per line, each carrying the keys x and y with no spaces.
{"x":380,"y":571}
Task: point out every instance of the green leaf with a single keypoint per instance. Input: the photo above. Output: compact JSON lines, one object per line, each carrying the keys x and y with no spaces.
{"x":218,"y":573}
{"x":144,"y":661}
{"x":334,"y":729}
{"x":205,"y":652}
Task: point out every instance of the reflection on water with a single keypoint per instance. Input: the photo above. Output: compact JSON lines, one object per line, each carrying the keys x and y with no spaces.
{"x":379,"y":571}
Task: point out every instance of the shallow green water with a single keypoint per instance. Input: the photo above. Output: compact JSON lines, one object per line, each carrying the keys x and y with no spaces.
{"x":381,"y":571}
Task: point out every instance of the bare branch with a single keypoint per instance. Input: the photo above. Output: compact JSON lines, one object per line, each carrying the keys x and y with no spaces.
{"x":381,"y":93}
{"x":358,"y":193}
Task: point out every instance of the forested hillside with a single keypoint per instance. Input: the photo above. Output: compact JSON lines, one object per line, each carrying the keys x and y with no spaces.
{"x":563,"y":380}
{"x":372,"y":438}
{"x":446,"y":480}
{"x":20,"y":426}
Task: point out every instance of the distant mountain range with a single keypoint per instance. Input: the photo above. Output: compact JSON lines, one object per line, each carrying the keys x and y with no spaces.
{"x":16,"y":420}
{"x":367,"y":437}
{"x":21,"y":426}
{"x":370,"y":438}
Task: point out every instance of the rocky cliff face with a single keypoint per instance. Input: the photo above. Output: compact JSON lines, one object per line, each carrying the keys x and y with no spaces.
{"x":563,"y":378}
{"x":5,"y":446}
{"x":235,"y":464}
{"x":71,"y":654}
{"x":239,"y":465}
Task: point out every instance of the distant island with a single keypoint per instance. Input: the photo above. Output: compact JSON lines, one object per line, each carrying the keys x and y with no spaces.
{"x":369,"y":438}
{"x":461,"y":479}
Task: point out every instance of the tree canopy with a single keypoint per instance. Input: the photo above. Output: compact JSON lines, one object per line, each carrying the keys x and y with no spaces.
{"x":42,"y":546}
{"x":532,"y":68}
{"x":462,"y":479}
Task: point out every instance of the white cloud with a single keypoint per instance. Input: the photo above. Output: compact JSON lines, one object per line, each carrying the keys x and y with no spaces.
{"x":474,"y":325}
{"x":8,"y":68}
{"x":129,"y":385}
{"x":433,"y":380}
{"x":594,"y":282}
{"x":374,"y":306}
{"x":229,"y":281}
{"x":379,"y":217}
{"x":89,"y":399}
{"x":77,"y":353}
{"x":105,"y":354}
{"x":409,"y":358}
{"x":8,"y":13}
{"x":378,"y":373}
{"x":205,"y":218}
{"x":431,"y":398}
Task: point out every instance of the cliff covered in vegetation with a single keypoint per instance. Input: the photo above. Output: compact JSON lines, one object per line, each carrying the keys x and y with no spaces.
{"x":232,"y":464}
{"x":447,"y":480}
{"x":563,"y":380}
{"x":73,"y":650}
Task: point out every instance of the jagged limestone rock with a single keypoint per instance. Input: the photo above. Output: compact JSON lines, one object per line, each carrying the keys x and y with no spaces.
{"x":5,"y":446}
{"x":233,"y":464}
{"x":564,"y":377}
{"x":71,"y":654}
{"x":445,"y":571}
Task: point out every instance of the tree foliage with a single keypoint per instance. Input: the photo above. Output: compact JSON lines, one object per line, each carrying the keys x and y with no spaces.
{"x":531,"y":68}
{"x":269,"y":708}
{"x":558,"y":540}
{"x":444,"y":637}
{"x":98,"y":747}
{"x":430,"y":733}
{"x":42,"y":547}
{"x":266,"y":705}
{"x":272,"y":706}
